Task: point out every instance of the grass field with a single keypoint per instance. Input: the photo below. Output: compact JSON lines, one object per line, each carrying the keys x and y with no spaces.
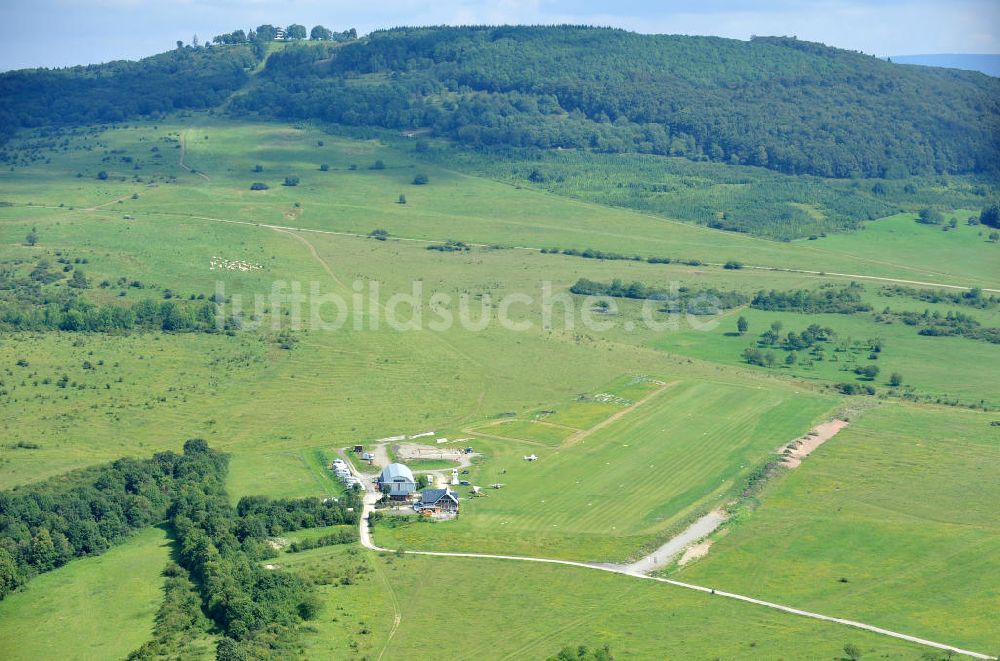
{"x":901,"y":504}
{"x":919,"y":359}
{"x":532,"y":431}
{"x":525,"y":611}
{"x":626,"y":484}
{"x":94,"y":608}
{"x":452,"y":206}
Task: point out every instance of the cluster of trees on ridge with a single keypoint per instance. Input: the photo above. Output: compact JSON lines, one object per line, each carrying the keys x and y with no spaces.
{"x":293,"y":32}
{"x":86,"y":512}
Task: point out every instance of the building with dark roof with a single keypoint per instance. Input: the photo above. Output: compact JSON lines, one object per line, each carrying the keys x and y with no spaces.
{"x":439,"y":500}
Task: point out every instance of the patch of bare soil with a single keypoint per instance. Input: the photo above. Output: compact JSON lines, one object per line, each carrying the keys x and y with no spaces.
{"x":695,"y":552}
{"x":801,"y":448}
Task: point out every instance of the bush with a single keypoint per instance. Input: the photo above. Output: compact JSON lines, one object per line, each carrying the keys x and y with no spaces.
{"x":420,"y":180}
{"x":291,"y":181}
{"x":930,"y":217}
{"x":258,"y":186}
{"x":990,"y":215}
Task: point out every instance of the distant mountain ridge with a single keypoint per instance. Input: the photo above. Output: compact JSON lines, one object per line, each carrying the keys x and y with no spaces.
{"x":776,"y":102}
{"x":988,"y":64}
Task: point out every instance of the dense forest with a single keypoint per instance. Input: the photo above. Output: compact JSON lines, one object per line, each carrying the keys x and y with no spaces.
{"x":793,"y":106}
{"x":181,"y":79}
{"x":773,"y":102}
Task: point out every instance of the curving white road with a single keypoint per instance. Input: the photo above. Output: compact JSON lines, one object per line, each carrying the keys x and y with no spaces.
{"x":366,"y":541}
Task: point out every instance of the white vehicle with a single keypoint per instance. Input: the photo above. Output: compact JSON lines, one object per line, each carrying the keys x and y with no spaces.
{"x":531,"y":457}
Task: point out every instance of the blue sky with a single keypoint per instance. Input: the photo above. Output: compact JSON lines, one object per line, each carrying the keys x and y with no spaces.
{"x":64,"y":32}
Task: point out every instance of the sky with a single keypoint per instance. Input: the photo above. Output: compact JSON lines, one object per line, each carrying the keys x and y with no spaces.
{"x":51,"y":33}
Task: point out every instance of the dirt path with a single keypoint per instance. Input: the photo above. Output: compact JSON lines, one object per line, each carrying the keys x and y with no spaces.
{"x":583,"y":434}
{"x":295,"y":232}
{"x":107,"y":204}
{"x":397,"y":613}
{"x":497,"y":437}
{"x":673,"y":547}
{"x":312,"y":251}
{"x":801,"y":448}
{"x":181,"y":162}
{"x":749,"y":268}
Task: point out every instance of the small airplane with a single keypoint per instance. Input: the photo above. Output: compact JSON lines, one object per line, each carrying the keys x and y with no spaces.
{"x":497,"y":485}
{"x":531,"y":457}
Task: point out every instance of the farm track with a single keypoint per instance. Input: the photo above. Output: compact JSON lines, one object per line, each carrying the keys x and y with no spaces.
{"x":291,"y":231}
{"x":853,"y":276}
{"x":583,"y":434}
{"x":187,"y":167}
{"x":746,"y":267}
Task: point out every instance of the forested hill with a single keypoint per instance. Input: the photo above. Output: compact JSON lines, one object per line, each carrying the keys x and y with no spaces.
{"x":788,"y":105}
{"x":185,"y":78}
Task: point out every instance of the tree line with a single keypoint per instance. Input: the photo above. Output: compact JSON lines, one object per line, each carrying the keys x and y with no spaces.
{"x":218,"y":575}
{"x":28,"y":304}
{"x":694,"y":301}
{"x":45,"y":525}
{"x":846,"y":300}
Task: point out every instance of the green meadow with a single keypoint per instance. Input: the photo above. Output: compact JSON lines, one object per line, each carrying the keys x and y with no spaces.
{"x":525,"y":610}
{"x":893,"y":523}
{"x":899,"y":503}
{"x":949,"y":368}
{"x":621,"y":488}
{"x":452,"y":206}
{"x":94,"y":608}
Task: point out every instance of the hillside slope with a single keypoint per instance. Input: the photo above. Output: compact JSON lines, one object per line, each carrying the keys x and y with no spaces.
{"x":776,"y":102}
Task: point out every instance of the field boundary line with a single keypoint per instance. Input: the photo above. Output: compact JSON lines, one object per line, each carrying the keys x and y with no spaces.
{"x":584,"y":434}
{"x":180,"y":161}
{"x":496,"y":437}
